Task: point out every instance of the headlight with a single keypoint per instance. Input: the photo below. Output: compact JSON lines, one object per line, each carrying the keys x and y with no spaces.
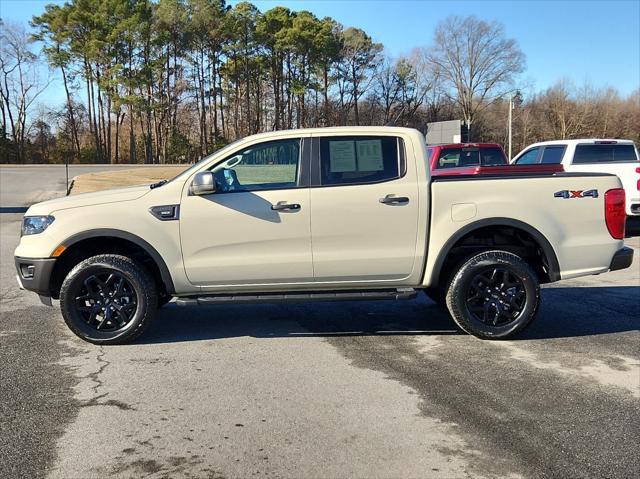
{"x":32,"y":225}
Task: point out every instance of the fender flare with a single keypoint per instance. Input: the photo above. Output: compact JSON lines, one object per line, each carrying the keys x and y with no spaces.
{"x":545,"y":245}
{"x":165,"y":274}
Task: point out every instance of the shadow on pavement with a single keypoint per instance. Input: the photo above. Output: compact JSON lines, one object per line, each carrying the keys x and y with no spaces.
{"x":571,"y":312}
{"x":565,"y":312}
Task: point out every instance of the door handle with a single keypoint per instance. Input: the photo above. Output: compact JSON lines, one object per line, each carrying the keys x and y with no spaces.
{"x":284,"y":206}
{"x":394,"y":200}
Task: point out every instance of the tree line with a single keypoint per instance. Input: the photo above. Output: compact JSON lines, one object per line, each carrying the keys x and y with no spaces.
{"x":169,"y":81}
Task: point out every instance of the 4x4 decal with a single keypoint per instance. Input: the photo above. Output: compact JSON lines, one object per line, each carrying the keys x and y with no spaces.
{"x":566,"y":194}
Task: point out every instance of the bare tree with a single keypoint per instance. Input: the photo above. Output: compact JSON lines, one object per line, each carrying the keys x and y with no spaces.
{"x":478,"y":64}
{"x":360,"y":58}
{"x":20,"y":85}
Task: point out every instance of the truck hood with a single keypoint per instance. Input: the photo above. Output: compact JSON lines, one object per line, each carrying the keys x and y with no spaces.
{"x":88,"y":199}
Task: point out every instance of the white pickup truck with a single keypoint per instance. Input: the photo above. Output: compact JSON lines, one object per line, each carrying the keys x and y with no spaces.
{"x":321,"y":214}
{"x":618,"y":157}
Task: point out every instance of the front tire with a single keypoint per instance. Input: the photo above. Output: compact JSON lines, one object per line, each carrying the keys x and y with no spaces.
{"x":108,"y":299}
{"x":494,"y":295}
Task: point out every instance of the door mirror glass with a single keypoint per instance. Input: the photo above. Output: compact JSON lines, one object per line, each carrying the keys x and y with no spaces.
{"x":203,"y":184}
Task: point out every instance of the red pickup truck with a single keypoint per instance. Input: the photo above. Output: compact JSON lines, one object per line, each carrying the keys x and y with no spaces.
{"x":477,"y":159}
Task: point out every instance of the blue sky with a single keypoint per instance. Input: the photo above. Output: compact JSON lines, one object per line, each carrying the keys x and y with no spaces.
{"x":594,"y":42}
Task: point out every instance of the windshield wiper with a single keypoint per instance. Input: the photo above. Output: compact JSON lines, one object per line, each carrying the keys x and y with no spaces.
{"x":159,"y":183}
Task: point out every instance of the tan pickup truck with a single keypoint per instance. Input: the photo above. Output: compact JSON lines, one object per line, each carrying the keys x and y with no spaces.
{"x":321,"y":214}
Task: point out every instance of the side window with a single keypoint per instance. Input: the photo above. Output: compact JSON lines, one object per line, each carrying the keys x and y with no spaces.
{"x":604,"y":154}
{"x":553,"y":154}
{"x":264,"y":166}
{"x":359,"y":159}
{"x":529,"y":157}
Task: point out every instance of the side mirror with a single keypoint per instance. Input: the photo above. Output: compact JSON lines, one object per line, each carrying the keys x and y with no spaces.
{"x":203,"y":184}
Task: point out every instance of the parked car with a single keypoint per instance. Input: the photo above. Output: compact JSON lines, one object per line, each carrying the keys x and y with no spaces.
{"x":465,"y":155}
{"x":458,"y":159}
{"x":321,"y":214}
{"x":618,"y":157}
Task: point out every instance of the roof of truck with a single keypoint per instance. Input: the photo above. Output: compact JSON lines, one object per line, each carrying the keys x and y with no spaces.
{"x":580,"y":141}
{"x":464,"y":145}
{"x":346,"y":130}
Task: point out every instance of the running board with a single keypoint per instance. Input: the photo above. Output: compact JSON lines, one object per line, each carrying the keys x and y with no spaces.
{"x":375,"y":294}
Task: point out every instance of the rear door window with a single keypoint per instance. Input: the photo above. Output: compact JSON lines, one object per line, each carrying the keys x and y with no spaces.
{"x":553,"y":154}
{"x":359,"y":159}
{"x":594,"y":153}
{"x":529,"y":157}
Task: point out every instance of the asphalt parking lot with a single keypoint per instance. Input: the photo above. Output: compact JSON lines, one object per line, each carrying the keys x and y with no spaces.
{"x":362,"y":389}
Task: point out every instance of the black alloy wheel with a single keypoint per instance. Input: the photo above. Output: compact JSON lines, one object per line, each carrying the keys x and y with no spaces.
{"x":493,"y":295}
{"x":107,"y":301}
{"x":496,"y":296}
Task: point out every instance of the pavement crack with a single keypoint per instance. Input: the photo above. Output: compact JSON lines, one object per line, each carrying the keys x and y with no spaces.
{"x":95,"y":377}
{"x":123,"y":406}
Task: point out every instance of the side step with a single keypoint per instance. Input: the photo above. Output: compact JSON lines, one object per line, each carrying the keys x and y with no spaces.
{"x":366,"y":295}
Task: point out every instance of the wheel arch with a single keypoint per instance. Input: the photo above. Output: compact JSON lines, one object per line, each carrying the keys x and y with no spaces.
{"x":549,"y":259}
{"x":74,"y":242}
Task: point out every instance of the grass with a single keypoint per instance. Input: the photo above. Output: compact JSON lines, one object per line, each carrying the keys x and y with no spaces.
{"x":105,"y":180}
{"x":247,"y":175}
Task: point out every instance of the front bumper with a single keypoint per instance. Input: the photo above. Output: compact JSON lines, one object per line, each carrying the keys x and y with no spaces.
{"x":34,"y":274}
{"x":622,"y":259}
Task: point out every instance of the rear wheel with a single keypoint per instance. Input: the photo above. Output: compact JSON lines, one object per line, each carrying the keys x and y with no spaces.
{"x":494,"y":295}
{"x":108,"y":299}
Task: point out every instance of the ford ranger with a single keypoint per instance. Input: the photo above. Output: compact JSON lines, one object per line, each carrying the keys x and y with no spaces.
{"x":321,"y":214}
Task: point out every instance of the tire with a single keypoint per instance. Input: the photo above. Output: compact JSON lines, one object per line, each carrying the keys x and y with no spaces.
{"x":494,"y":295}
{"x":108,"y":299}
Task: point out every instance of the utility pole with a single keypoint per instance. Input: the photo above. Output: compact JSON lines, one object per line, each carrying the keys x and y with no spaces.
{"x":510,"y":120}
{"x":66,"y":169}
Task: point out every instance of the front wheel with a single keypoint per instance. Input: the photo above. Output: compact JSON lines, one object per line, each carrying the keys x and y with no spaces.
{"x":494,"y":295}
{"x":108,"y":299}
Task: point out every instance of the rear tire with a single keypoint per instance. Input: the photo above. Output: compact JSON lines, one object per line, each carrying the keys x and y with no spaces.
{"x":494,"y":295}
{"x":108,"y":299}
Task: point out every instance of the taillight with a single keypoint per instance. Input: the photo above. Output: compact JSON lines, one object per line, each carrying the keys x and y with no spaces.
{"x":614,"y":213}
{"x":638,"y":183}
